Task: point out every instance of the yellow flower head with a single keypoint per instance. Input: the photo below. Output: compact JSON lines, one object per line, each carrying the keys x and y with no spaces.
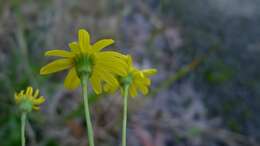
{"x":136,"y":79}
{"x":86,"y":59}
{"x":28,"y":100}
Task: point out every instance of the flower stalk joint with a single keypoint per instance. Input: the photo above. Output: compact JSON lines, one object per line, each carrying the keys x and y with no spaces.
{"x":127,"y":80}
{"x":26,"y":105}
{"x":84,"y":64}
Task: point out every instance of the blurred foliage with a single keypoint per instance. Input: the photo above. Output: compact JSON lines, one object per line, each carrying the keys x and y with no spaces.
{"x":208,"y":45}
{"x":231,"y":72}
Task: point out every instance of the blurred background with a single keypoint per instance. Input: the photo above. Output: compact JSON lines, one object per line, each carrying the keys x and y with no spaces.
{"x":206,"y":93}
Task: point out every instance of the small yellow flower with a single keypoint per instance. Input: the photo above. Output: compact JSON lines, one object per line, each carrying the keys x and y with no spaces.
{"x":84,"y":58}
{"x":28,"y":100}
{"x":138,"y":80}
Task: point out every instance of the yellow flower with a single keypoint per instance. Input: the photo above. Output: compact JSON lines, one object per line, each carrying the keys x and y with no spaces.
{"x":27,"y":100}
{"x":87,"y":59}
{"x":138,"y":80}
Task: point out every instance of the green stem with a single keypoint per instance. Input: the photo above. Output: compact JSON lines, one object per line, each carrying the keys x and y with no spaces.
{"x":125,"y":115}
{"x":23,"y":120}
{"x":84,"y":84}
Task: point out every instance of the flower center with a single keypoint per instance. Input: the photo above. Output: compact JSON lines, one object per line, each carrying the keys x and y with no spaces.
{"x":127,"y":80}
{"x":26,"y":105}
{"x":84,"y":64}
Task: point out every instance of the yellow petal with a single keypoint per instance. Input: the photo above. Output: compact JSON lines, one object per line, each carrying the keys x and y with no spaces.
{"x":143,"y":80}
{"x":146,"y":81}
{"x":129,"y":60}
{"x":59,"y":53}
{"x":56,"y":66}
{"x":113,"y":67}
{"x":113,"y":60}
{"x":111,"y":54}
{"x":84,"y":40}
{"x":141,"y":87}
{"x":144,"y":90}
{"x":17,"y":98}
{"x":102,"y":44}
{"x":110,"y":89}
{"x":74,"y":47}
{"x":149,"y":72}
{"x":132,"y":91}
{"x":29,"y":90}
{"x":72,"y":81}
{"x":106,"y":88}
{"x":113,"y":89}
{"x":21,"y":93}
{"x":96,"y":83}
{"x":106,"y":76}
{"x":36,"y":93}
{"x":38,"y":101}
{"x":36,"y":108}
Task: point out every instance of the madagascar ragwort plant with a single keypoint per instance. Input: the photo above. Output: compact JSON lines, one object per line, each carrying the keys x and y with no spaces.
{"x":86,"y":63}
{"x":104,"y":70}
{"x":133,"y":81}
{"x":27,"y":101}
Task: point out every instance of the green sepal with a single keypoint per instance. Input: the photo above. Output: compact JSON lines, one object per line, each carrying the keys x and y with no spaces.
{"x":26,"y":105}
{"x":84,"y":64}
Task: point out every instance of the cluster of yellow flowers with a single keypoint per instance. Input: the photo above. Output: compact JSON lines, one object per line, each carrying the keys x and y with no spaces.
{"x":107,"y":71}
{"x":106,"y":68}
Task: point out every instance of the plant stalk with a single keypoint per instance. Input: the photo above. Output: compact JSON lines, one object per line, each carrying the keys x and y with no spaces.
{"x":23,"y":124}
{"x":84,"y":84}
{"x":125,"y":115}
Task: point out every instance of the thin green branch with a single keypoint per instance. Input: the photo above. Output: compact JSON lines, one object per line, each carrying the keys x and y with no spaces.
{"x":125,"y":115}
{"x":23,"y":124}
{"x":84,"y":83}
